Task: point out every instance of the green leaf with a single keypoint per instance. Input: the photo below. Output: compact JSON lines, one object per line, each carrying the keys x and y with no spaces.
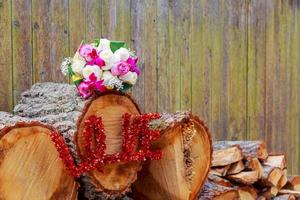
{"x":115,"y":45}
{"x":78,"y":82}
{"x":70,"y":71}
{"x":97,"y":42}
{"x":126,"y":87}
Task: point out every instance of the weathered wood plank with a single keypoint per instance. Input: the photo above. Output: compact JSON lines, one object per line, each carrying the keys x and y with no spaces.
{"x":256,"y":77}
{"x":235,"y":57}
{"x":137,"y":35}
{"x":150,"y":56}
{"x":175,"y":51}
{"x":93,"y":19}
{"x":6,"y":92}
{"x":200,"y":61}
{"x":22,"y":47}
{"x":50,"y":39}
{"x":77,"y":13}
{"x":162,"y":56}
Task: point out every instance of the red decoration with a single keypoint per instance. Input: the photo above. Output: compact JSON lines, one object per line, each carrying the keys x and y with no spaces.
{"x":137,"y":138}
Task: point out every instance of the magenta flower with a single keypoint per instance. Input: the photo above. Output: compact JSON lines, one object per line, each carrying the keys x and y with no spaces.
{"x":87,"y":88}
{"x":97,"y":61}
{"x":120,"y":68}
{"x":133,"y":67}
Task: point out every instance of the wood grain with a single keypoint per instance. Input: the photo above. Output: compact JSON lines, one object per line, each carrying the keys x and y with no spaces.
{"x":234,"y":63}
{"x":6,"y":89}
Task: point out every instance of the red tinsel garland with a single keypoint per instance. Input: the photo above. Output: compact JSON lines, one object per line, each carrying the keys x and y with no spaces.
{"x":136,"y":146}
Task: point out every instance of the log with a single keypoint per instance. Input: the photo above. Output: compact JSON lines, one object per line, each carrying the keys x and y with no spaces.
{"x":112,"y":178}
{"x":227,"y":156}
{"x":186,"y":148}
{"x":278,"y":161}
{"x":289,"y":192}
{"x":270,"y":176}
{"x":293,"y":183}
{"x":256,"y":149}
{"x":247,"y":193}
{"x":220,"y":171}
{"x":283,"y":180}
{"x":218,"y":180}
{"x":245,"y":177}
{"x":30,"y":167}
{"x":236,"y":168}
{"x":285,"y":197}
{"x":214,"y":191}
{"x":254,"y":164}
{"x":269,"y":192}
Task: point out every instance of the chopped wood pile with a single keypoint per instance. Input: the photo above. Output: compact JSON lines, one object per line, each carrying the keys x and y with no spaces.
{"x":245,"y":170}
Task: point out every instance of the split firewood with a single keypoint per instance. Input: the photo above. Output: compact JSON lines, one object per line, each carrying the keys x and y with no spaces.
{"x":236,"y":168}
{"x":254,"y":164}
{"x":293,"y":183}
{"x":30,"y":166}
{"x":283,"y":180}
{"x":285,"y":197}
{"x":247,"y":193}
{"x":290,"y":192}
{"x":227,"y":156}
{"x":276,"y":161}
{"x":269,"y":192}
{"x":245,"y":177}
{"x":220,"y":171}
{"x":184,"y":167}
{"x":212,"y":190}
{"x":270,"y":176}
{"x":218,"y":180}
{"x":255,"y":149}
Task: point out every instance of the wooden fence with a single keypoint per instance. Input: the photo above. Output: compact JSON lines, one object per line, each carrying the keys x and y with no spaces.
{"x":236,"y":63}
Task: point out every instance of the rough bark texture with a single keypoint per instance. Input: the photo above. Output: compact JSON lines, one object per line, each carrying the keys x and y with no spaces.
{"x":59,"y":105}
{"x":250,"y":148}
{"x":212,"y":190}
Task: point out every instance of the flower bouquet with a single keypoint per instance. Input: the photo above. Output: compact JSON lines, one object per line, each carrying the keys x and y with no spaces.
{"x":102,"y":65}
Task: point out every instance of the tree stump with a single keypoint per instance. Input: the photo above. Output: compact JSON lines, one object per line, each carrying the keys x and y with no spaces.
{"x":113,"y":178}
{"x":187,"y":153}
{"x":30,"y":167}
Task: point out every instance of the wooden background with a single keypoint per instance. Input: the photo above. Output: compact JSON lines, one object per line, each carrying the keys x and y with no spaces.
{"x":235,"y":63}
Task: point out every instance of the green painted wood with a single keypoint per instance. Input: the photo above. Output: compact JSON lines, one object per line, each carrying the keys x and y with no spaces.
{"x":234,"y":63}
{"x":6,"y":89}
{"x":21,"y":47}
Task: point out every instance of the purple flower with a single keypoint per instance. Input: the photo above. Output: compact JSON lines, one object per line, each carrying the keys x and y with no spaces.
{"x":120,"y":68}
{"x":133,"y":67}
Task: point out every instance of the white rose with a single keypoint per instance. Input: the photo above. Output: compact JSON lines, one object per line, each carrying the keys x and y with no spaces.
{"x":122,"y":54}
{"x":89,"y":69}
{"x":109,"y":58}
{"x":107,"y":75}
{"x":78,"y":65}
{"x":103,"y":44}
{"x":130,"y":77}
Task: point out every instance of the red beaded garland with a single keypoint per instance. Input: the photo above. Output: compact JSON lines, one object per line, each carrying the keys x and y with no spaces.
{"x":134,"y":148}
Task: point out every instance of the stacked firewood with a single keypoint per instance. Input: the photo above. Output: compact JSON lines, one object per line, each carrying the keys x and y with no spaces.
{"x":245,"y":170}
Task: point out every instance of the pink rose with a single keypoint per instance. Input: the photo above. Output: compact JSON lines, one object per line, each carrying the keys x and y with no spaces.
{"x":86,"y":51}
{"x":120,"y":68}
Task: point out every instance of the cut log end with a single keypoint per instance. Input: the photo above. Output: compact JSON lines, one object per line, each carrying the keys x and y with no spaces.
{"x":113,"y":178}
{"x":30,"y":167}
{"x":184,"y":167}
